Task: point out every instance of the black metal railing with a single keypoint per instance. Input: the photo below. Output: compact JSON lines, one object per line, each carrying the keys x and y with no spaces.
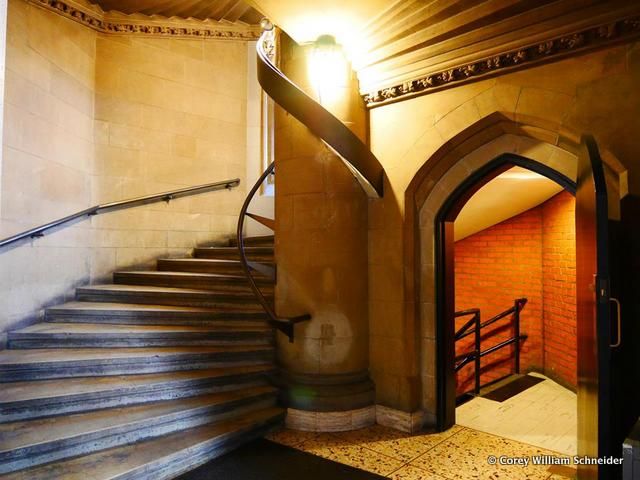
{"x":474,"y":326}
{"x":285,"y":325}
{"x":39,"y":231}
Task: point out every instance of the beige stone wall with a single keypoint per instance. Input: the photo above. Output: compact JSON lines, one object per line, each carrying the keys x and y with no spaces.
{"x":259,"y":146}
{"x":48,"y":156}
{"x":92,"y":118}
{"x":170,"y":113}
{"x":553,"y":104}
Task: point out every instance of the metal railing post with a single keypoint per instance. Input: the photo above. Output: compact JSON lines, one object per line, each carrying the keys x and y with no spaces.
{"x":516,"y":314}
{"x":477,"y":353}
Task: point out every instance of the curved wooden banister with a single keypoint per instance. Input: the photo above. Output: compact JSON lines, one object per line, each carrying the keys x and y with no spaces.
{"x":353,"y":152}
{"x":285,"y":325}
{"x":322,"y":123}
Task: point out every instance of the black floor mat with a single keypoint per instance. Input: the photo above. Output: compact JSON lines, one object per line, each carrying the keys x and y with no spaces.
{"x":266,"y":460}
{"x":512,"y":388}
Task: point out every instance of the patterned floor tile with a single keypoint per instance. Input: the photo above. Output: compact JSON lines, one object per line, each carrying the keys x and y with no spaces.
{"x":466,"y":456}
{"x":393,"y":443}
{"x":369,"y":460}
{"x":290,"y":438}
{"x":339,"y":450}
{"x":412,"y":473}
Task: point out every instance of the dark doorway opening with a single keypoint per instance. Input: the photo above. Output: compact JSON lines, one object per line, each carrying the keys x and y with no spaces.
{"x":607,"y":298}
{"x":514,"y":275}
{"x":445,"y":268}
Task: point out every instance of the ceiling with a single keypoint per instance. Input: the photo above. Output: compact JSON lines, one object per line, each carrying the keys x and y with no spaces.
{"x":220,"y":10}
{"x":394,"y":42}
{"x":509,"y":194}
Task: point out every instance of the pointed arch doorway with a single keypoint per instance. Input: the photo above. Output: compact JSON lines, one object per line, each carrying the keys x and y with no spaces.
{"x":433,"y":213}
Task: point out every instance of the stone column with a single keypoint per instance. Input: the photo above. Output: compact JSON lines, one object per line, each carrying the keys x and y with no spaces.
{"x":321,"y":253}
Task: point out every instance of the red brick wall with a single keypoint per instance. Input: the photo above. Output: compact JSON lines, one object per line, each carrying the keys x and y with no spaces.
{"x":559,"y":288}
{"x":493,"y":268}
{"x":531,"y":255}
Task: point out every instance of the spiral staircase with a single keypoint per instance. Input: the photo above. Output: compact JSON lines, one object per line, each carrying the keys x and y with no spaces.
{"x":160,"y":371}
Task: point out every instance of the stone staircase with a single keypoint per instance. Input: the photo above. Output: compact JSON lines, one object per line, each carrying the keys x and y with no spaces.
{"x":145,"y":378}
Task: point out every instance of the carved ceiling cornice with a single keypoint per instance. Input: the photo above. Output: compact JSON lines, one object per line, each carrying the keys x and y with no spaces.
{"x":417,"y":48}
{"x":555,"y":48}
{"x":94,"y":17}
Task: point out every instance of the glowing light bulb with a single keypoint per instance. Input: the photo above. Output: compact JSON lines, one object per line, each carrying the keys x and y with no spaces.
{"x":328,"y":68}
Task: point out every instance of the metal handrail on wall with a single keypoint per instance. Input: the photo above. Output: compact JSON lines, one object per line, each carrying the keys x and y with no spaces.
{"x":477,"y":353}
{"x":39,"y":231}
{"x":284,"y":324}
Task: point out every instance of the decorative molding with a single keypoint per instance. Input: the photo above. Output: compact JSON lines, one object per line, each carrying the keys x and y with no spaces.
{"x":553,"y":49}
{"x":330,"y":421}
{"x":327,"y":392}
{"x":408,"y":422}
{"x":117,"y":23}
{"x":341,"y":421}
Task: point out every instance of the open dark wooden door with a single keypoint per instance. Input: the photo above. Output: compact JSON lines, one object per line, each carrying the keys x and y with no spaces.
{"x":595,"y":278}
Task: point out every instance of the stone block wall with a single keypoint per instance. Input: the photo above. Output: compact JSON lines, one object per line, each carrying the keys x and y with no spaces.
{"x":91,"y":118}
{"x":530,"y":255}
{"x":559,"y":288}
{"x":48,"y":157}
{"x":418,"y":141}
{"x":170,"y":113}
{"x":492,"y":268}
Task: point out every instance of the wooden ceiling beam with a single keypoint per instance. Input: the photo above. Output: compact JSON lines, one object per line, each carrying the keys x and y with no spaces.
{"x":236,"y":12}
{"x":227,"y":10}
{"x":410,"y":20}
{"x":535,"y":20}
{"x":478,"y":48}
{"x":449,"y":27}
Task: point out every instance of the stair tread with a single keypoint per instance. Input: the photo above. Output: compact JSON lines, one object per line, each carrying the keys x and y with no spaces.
{"x":269,"y":238}
{"x":100,"y":329}
{"x":256,"y":248}
{"x":24,"y":433}
{"x":151,"y":310}
{"x":214,"y":261}
{"x":161,"y":273}
{"x":111,"y":463}
{"x":30,"y":390}
{"x":138,"y":307}
{"x":47,"y":355}
{"x":120,"y":287}
{"x":219,"y":277}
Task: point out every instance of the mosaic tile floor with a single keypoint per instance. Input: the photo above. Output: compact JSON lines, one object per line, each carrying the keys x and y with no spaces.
{"x":460,"y":453}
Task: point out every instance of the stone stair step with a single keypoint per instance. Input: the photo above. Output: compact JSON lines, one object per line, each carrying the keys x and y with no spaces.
{"x":40,"y":364}
{"x":191,"y":280}
{"x":163,"y":457}
{"x":28,"y":400}
{"x":148,"y":314}
{"x":264,"y":240}
{"x":204,"y":265}
{"x":261,"y":253}
{"x":238,"y":301}
{"x":24,"y":444}
{"x":91,"y":335}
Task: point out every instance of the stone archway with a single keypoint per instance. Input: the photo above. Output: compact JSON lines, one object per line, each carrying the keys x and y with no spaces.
{"x":472,"y":149}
